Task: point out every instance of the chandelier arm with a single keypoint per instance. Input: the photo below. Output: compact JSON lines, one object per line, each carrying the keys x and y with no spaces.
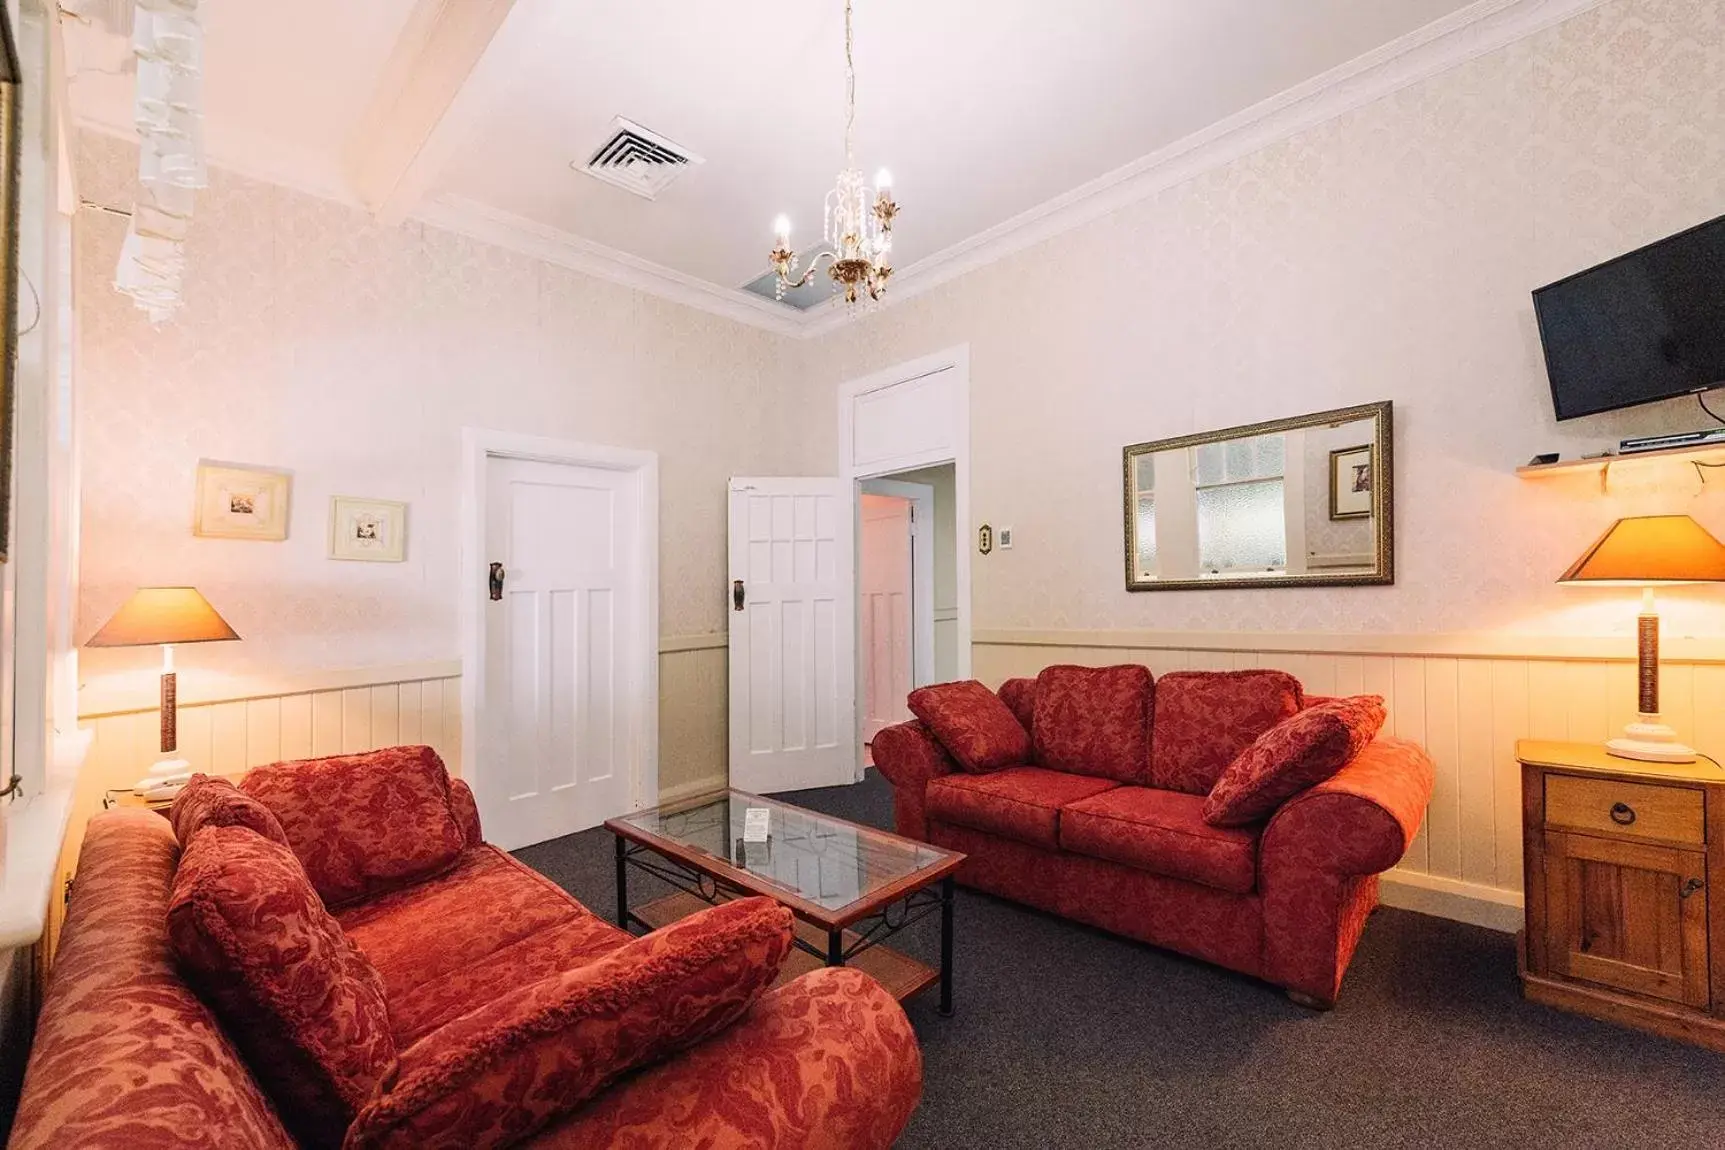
{"x":808,"y":273}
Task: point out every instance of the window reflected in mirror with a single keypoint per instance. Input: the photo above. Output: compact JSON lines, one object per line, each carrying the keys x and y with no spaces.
{"x":1296,"y":502}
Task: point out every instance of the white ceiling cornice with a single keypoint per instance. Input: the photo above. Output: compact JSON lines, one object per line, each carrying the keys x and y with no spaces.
{"x":529,"y":237}
{"x":1467,"y":34}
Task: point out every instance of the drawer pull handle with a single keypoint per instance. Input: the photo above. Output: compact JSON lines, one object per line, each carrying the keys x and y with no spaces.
{"x":1622,"y":814}
{"x":1690,"y":888}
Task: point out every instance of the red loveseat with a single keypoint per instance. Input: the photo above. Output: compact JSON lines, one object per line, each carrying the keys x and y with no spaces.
{"x":1117,"y":839}
{"x":127,"y":1053}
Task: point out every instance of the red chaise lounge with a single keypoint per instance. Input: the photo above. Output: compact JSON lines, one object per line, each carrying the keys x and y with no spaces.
{"x":1099,"y":813}
{"x":475,"y":1005}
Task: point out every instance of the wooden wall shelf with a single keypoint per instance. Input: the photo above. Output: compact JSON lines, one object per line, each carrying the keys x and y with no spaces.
{"x":1711,"y":453}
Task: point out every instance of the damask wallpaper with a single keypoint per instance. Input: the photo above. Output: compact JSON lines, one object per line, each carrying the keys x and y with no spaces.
{"x":1386,"y":254}
{"x":352,"y":354}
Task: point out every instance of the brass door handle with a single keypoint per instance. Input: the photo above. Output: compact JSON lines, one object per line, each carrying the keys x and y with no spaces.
{"x":1690,"y":888}
{"x":736,"y":594}
{"x":1622,"y":814}
{"x":498,"y":574}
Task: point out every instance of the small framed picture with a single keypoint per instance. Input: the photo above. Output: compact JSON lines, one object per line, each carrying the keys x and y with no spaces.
{"x":369,"y":530}
{"x":1351,"y":482}
{"x":235,"y":501}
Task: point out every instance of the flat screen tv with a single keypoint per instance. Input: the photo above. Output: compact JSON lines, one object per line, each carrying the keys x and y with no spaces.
{"x":1646,"y":326}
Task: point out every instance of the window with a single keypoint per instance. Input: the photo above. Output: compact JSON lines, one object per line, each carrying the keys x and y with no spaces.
{"x":1242,"y":521}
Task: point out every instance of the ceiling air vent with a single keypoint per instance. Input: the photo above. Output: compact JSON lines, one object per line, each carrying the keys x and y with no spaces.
{"x":637,"y":160}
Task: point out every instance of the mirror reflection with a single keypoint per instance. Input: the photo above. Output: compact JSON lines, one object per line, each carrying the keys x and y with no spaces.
{"x":1294,"y":502}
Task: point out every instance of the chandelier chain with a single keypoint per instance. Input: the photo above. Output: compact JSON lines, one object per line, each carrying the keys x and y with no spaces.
{"x":850,"y":91}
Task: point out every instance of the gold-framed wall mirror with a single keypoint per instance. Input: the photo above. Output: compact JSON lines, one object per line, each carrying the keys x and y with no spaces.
{"x":1301,"y":502}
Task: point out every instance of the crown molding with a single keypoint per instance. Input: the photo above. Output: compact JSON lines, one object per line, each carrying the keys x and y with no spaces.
{"x":1464,"y":35}
{"x":542,"y":241}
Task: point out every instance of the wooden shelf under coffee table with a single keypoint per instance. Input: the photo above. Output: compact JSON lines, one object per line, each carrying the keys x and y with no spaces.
{"x":850,"y":886}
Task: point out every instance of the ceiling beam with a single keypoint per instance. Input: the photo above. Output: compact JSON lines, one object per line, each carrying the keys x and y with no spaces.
{"x":407,"y":131}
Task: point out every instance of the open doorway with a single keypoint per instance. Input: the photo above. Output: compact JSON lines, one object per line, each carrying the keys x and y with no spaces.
{"x":907,"y":590}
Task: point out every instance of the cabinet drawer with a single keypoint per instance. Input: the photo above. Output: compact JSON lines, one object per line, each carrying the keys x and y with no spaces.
{"x":1625,"y":810}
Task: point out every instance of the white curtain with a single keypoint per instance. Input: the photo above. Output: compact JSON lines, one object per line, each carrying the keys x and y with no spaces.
{"x":168,"y":41}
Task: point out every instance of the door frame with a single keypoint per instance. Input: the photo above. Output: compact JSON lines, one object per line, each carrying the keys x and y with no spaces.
{"x":478,"y":445}
{"x":956,"y":452}
{"x":921,"y":498}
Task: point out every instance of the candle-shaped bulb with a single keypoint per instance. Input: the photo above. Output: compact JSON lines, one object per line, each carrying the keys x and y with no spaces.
{"x":782,"y":229}
{"x":883,"y":181}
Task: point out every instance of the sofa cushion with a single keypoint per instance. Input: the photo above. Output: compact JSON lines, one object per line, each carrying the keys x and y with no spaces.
{"x":1094,"y":721}
{"x":976,"y":728}
{"x":303,"y":1005}
{"x":537,"y":1051}
{"x":1296,"y":753}
{"x":213,"y":802}
{"x":1019,"y":695}
{"x":1163,"y":832}
{"x":1020,"y":803}
{"x":1204,"y":719}
{"x":364,"y":824}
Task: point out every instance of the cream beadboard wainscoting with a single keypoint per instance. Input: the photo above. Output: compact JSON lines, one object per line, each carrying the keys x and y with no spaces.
{"x":346,"y":711}
{"x":1466,"y":698}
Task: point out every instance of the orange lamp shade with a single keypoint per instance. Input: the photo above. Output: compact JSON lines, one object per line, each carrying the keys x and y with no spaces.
{"x":160,"y":615}
{"x":1651,"y":549}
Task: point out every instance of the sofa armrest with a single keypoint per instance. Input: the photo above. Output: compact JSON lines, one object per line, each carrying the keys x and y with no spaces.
{"x":466,"y":811}
{"x":910,"y":757}
{"x":1358,"y":822}
{"x":828,"y":1059}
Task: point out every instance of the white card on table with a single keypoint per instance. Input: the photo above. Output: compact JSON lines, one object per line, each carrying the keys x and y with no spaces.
{"x":757,"y":821}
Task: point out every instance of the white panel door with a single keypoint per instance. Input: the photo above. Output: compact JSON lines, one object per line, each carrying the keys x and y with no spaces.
{"x":884,"y":610}
{"x":560,"y":658}
{"x":792,"y":635}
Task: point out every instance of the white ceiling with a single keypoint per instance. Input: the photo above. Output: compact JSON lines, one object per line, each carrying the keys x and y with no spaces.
{"x":982,"y":110}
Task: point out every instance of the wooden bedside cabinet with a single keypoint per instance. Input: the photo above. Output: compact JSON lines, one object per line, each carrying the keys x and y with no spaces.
{"x":1622,"y":859}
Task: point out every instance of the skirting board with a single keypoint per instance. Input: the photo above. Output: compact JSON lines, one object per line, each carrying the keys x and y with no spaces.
{"x":1466,"y":902}
{"x":692,"y":788}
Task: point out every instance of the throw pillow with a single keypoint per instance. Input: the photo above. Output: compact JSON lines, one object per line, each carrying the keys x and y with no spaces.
{"x":303,"y":1005}
{"x":211,"y":802}
{"x":1295,"y":754}
{"x":1094,"y":721}
{"x":977,"y":729}
{"x":1204,"y":719}
{"x":1019,"y":695}
{"x":364,"y":824}
{"x":498,"y":1073}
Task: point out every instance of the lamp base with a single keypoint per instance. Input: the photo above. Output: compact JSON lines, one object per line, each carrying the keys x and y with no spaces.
{"x":1650,"y":741}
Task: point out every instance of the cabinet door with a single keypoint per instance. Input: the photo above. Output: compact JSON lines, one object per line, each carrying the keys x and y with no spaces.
{"x":1628,"y":916}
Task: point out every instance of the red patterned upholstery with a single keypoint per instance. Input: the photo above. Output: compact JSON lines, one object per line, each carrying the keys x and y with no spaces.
{"x":1164,"y":832}
{"x":1019,"y":695}
{"x":1206,"y":718}
{"x":1021,"y":803}
{"x":1320,"y":856}
{"x":125,"y":1054}
{"x":1285,"y":902}
{"x":212,"y":802}
{"x":910,"y":757}
{"x":975,"y":727}
{"x":502,"y":1071}
{"x":828,"y":1060}
{"x":301,"y":1001}
{"x":1297,"y":753}
{"x":1094,"y":721}
{"x":466,"y":811}
{"x":364,"y":824}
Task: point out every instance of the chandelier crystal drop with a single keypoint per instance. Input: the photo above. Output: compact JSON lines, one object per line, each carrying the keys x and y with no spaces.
{"x":857,"y":224}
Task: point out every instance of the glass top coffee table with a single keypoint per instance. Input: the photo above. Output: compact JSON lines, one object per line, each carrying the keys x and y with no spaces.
{"x":852,"y":884}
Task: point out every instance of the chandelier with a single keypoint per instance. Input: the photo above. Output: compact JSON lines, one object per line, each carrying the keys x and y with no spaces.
{"x":858,"y":221}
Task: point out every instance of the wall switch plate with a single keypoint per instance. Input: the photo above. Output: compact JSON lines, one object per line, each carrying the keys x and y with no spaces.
{"x":1004,"y":536}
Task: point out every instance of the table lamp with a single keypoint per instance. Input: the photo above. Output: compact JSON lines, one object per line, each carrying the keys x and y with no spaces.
{"x":165,"y":616}
{"x":1646,"y":551}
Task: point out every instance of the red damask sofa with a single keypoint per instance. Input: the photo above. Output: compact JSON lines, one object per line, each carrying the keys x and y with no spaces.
{"x":474,"y":1005}
{"x":1098,"y":812}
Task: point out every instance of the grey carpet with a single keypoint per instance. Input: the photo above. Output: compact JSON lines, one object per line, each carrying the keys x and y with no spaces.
{"x":1068,"y":1037}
